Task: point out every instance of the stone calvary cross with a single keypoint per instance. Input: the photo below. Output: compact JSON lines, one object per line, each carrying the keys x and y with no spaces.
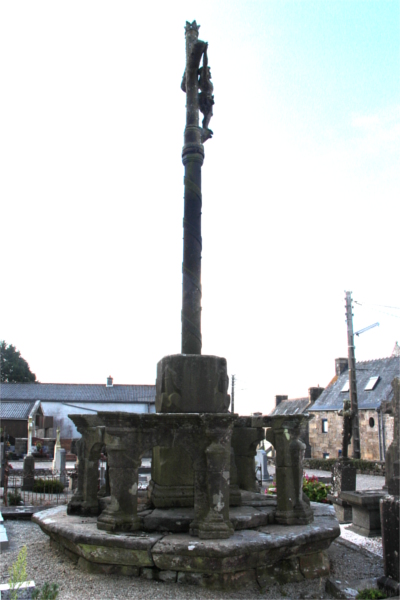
{"x":196,"y":82}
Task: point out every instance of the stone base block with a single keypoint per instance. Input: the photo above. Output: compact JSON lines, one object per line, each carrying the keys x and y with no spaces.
{"x":219,"y":581}
{"x":314,"y":565}
{"x":192,"y":383}
{"x":366,"y":532}
{"x":344,"y":513}
{"x":343,"y":509}
{"x":104,"y":569}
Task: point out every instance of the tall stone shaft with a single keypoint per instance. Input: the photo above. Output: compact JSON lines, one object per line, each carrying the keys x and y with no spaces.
{"x":192,"y":158}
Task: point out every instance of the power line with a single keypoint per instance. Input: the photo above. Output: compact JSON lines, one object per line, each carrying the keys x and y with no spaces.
{"x":383,"y":312}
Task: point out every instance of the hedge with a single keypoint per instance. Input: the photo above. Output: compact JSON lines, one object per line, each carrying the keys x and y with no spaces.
{"x":363,"y":466}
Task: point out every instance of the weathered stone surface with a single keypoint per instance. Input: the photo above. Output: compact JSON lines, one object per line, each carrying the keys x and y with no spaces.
{"x":366,"y":515}
{"x":192,"y":383}
{"x":82,"y":537}
{"x":257,"y":500}
{"x":174,"y":520}
{"x":344,"y":478}
{"x":213,"y":563}
{"x":107,"y":569}
{"x":247,"y":517}
{"x":218,"y":581}
{"x":286,"y":571}
{"x":149,"y":573}
{"x":390,"y":514}
{"x":167,"y":576}
{"x":343,"y":509}
{"x":314,"y":565}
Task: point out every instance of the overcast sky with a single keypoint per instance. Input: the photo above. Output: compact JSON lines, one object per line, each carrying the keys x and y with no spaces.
{"x":300,"y":187}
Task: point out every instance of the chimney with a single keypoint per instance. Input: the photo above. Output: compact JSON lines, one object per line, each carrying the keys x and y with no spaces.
{"x":278,"y":399}
{"x":341,"y":365}
{"x":109,"y":381}
{"x":314,"y":393}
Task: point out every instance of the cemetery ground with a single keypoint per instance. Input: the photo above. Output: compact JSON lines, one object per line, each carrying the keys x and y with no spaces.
{"x":351,"y":557}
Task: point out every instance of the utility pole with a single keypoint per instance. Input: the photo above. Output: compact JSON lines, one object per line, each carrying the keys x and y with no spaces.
{"x":352,"y":378}
{"x":233,"y":395}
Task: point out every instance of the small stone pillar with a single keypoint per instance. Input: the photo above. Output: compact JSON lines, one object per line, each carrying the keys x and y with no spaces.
{"x":88,"y":449}
{"x":244,"y":443}
{"x":28,"y":473}
{"x":284,"y":436}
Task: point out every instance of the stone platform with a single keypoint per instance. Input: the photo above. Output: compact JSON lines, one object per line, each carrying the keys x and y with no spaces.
{"x":265,"y":553}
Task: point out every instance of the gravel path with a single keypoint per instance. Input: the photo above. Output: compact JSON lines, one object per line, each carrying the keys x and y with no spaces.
{"x":47,"y":564}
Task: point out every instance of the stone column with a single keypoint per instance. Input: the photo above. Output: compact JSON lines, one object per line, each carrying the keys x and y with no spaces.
{"x":244,"y":442}
{"x":85,"y":500}
{"x":192,"y":158}
{"x":284,"y":436}
{"x":121,"y":511}
{"x":212,"y":478}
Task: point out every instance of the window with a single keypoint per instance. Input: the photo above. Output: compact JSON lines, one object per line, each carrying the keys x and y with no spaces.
{"x":345,"y":388}
{"x":324,"y":425}
{"x":372,"y":381}
{"x":326,"y":454}
{"x":339,"y":453}
{"x":371,"y":422}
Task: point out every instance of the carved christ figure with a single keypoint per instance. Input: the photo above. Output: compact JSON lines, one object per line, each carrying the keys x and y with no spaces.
{"x":206,"y":97}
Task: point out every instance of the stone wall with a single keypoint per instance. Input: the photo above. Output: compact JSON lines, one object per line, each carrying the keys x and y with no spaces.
{"x":330,"y":443}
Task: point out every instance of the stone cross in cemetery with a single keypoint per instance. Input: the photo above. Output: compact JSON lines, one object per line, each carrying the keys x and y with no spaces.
{"x":203,"y":455}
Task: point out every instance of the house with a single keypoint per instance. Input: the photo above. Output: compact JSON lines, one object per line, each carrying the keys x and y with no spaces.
{"x":374,"y":387}
{"x":61,"y":399}
{"x":296,"y":406}
{"x":14,"y":417}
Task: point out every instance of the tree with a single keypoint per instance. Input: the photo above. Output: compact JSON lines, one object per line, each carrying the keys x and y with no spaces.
{"x":14,"y":368}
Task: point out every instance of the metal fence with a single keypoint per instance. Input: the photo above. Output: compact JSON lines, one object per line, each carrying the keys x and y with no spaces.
{"x":45,"y":487}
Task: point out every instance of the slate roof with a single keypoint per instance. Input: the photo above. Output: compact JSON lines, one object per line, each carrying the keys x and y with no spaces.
{"x":291,"y":407}
{"x":77,"y":392}
{"x":386,"y":368}
{"x":16,"y":410}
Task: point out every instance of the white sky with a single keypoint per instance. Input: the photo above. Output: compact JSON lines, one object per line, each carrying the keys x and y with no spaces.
{"x":300,"y":187}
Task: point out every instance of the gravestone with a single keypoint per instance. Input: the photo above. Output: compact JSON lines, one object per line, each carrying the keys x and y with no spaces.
{"x":28,"y":473}
{"x":2,"y":464}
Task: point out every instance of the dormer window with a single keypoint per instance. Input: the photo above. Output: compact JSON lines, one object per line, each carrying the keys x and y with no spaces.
{"x":372,"y":383}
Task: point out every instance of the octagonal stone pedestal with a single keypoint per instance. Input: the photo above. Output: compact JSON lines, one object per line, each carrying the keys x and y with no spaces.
{"x":266,"y":554}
